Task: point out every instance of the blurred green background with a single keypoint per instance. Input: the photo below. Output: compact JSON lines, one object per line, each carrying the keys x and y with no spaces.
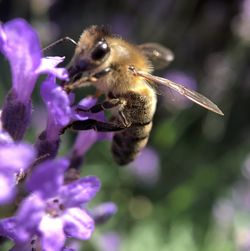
{"x":195,"y":194}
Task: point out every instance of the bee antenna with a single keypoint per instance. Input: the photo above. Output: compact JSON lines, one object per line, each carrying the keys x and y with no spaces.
{"x":60,"y":41}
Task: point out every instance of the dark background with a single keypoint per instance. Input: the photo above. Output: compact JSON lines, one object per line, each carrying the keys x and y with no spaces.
{"x":197,"y":203}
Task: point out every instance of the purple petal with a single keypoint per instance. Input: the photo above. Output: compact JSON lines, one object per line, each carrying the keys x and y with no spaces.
{"x":3,"y":36}
{"x":59,"y":114}
{"x":34,"y":243}
{"x":86,"y":103}
{"x":5,"y":138}
{"x":57,"y":102}
{"x":16,"y":157}
{"x":80,"y":191}
{"x":103,"y":212}
{"x":48,"y":177}
{"x":47,"y":144}
{"x":18,"y":35}
{"x":8,"y":228}
{"x":78,"y":224}
{"x":73,"y":245}
{"x":84,"y":141}
{"x":20,"y":45}
{"x":29,"y":216}
{"x":48,"y":65}
{"x":51,"y":230}
{"x":22,"y":247}
{"x":7,"y":188}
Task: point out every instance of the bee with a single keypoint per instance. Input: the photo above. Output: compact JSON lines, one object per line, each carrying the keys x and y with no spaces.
{"x":122,"y":72}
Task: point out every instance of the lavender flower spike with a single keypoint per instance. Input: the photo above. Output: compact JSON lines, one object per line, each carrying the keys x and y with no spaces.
{"x":55,"y":210}
{"x":59,"y":114}
{"x":20,"y":45}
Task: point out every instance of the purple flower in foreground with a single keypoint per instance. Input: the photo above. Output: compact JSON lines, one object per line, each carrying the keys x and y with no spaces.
{"x":8,"y":229}
{"x":15,"y":159}
{"x":20,"y":45}
{"x":5,"y":138}
{"x":55,"y":210}
{"x":58,"y":106}
{"x":59,"y":114}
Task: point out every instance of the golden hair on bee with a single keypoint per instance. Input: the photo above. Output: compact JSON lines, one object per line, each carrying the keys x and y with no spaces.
{"x":119,"y":55}
{"x":122,"y":72}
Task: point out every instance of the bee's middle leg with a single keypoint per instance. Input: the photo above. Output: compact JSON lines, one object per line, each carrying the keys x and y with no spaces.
{"x":99,"y":126}
{"x":108,"y":104}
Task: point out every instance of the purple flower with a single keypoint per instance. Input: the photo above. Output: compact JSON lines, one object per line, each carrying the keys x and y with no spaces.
{"x":86,"y":139}
{"x":55,"y":210}
{"x":110,"y":241}
{"x":58,"y":106}
{"x":33,"y":244}
{"x":20,"y":45}
{"x":59,"y":114}
{"x":146,"y":167}
{"x":103,"y":212}
{"x":73,"y":245}
{"x":7,"y":228}
{"x":15,"y":159}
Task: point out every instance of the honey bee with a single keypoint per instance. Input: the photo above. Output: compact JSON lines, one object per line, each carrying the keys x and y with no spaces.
{"x":122,"y":72}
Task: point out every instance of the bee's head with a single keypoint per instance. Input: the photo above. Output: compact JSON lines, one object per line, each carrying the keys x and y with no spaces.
{"x":91,"y":52}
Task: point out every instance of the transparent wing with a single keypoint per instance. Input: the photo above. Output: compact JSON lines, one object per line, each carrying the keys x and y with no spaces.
{"x":192,"y":95}
{"x":159,"y":56}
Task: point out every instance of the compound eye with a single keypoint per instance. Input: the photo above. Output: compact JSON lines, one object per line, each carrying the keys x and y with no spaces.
{"x":100,"y":51}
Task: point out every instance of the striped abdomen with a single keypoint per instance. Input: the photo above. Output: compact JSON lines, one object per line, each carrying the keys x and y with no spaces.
{"x":128,"y":143}
{"x":139,"y":111}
